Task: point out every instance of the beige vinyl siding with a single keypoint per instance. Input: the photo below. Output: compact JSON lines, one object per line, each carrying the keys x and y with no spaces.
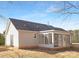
{"x":27,"y":38}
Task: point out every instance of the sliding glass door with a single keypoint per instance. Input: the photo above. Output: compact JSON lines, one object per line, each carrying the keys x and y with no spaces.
{"x":45,"y":38}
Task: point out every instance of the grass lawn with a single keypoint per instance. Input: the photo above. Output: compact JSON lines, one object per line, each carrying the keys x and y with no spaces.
{"x":39,"y":53}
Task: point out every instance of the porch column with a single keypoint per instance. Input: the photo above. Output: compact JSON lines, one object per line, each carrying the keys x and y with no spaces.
{"x":53,"y":39}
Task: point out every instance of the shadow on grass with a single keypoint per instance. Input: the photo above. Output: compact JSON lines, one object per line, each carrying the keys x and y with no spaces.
{"x":51,"y":51}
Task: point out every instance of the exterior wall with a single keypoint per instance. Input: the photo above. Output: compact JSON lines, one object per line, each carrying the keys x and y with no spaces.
{"x":12,"y":31}
{"x":27,"y":39}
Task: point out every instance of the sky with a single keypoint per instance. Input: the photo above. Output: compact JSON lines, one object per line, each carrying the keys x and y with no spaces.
{"x":46,"y":12}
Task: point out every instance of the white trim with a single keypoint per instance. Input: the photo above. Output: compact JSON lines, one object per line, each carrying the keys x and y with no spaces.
{"x":47,"y":30}
{"x":53,"y":39}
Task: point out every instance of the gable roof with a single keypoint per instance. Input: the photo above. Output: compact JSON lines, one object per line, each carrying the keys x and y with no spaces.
{"x":27,"y":25}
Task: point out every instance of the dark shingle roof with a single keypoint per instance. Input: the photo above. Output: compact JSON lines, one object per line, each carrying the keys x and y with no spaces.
{"x":27,"y":25}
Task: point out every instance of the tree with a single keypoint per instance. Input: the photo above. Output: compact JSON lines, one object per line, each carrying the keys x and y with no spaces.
{"x":2,"y":39}
{"x":75,"y":36}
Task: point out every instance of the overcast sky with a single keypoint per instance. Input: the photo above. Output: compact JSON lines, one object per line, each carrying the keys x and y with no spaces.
{"x":41,"y":12}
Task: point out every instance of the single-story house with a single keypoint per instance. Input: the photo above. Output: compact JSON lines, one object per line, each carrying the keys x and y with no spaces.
{"x":26,"y":34}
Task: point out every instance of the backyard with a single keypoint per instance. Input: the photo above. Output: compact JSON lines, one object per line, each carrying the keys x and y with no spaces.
{"x":38,"y":53}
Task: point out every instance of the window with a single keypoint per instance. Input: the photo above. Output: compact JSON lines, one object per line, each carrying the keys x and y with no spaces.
{"x":68,"y":39}
{"x":61,"y":40}
{"x":46,"y":38}
{"x":50,"y":38}
{"x":56,"y":37}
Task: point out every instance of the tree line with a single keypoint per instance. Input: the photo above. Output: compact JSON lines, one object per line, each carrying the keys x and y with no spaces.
{"x":75,"y":36}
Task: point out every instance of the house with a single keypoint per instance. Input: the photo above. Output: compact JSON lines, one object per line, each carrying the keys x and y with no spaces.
{"x":26,"y":34}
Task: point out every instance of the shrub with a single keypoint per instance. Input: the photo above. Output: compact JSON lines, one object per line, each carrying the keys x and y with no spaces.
{"x":2,"y":39}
